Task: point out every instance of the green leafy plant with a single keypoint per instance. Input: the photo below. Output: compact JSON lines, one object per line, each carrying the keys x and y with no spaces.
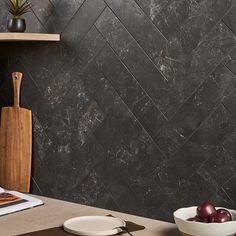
{"x":17,"y":8}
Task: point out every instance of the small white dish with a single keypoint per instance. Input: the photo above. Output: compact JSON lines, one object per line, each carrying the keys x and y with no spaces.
{"x":203,"y":229}
{"x":94,"y":225}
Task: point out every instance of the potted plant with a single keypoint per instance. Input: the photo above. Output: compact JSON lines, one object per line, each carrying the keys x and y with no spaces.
{"x":17,"y":8}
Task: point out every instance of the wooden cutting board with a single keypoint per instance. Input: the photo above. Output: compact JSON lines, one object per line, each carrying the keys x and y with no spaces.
{"x":16,"y":143}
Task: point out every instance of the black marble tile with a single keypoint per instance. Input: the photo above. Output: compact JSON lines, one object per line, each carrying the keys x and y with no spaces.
{"x":182,"y":166}
{"x":127,"y":134}
{"x":140,"y":27}
{"x":91,"y":152}
{"x":131,"y":92}
{"x":116,"y":183}
{"x":126,"y":199}
{"x":169,"y":16}
{"x":230,"y":104}
{"x":204,"y":15}
{"x":213,"y":49}
{"x":230,"y":61}
{"x":81,"y":24}
{"x":60,"y":18}
{"x":90,"y":191}
{"x":42,"y":9}
{"x":132,"y":55}
{"x":148,"y":4}
{"x":92,"y":78}
{"x":119,"y":76}
{"x":78,"y":119}
{"x":41,"y":141}
{"x":203,"y":152}
{"x":91,"y":119}
{"x":184,"y":74}
{"x":77,"y":102}
{"x":44,"y":173}
{"x":35,"y":188}
{"x":229,"y":187}
{"x":43,"y":60}
{"x":196,"y":109}
{"x":87,"y":50}
{"x":67,"y":179}
{"x":229,"y":142}
{"x":107,"y":202}
{"x":6,"y":87}
{"x":4,"y":16}
{"x":218,"y":169}
{"x":153,"y":8}
{"x":111,"y":130}
{"x":128,"y":188}
{"x":230,"y":19}
{"x":71,"y":71}
{"x":54,"y":2}
{"x":38,"y":168}
{"x":146,"y":190}
{"x":215,"y":129}
{"x":70,"y":170}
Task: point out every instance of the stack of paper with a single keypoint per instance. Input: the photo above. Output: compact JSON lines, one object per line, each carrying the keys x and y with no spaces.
{"x":12,"y":201}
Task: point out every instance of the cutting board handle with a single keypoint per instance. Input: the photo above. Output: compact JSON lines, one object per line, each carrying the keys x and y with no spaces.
{"x":17,"y":78}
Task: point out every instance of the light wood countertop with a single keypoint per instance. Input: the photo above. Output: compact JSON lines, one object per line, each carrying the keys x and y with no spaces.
{"x":55,"y":212}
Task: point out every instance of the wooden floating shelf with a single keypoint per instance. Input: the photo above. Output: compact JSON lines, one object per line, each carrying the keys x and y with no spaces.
{"x":7,"y":37}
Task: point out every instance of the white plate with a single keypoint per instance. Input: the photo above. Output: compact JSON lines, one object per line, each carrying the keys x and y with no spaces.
{"x":94,"y":225}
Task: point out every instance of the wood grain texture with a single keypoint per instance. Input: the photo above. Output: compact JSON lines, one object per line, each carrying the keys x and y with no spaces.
{"x":16,"y":143}
{"x":28,"y":37}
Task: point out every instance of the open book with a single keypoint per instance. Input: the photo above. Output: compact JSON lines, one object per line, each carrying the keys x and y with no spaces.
{"x":13,"y":201}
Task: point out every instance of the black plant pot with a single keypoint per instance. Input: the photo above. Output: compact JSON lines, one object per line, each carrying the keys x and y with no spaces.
{"x":16,"y":25}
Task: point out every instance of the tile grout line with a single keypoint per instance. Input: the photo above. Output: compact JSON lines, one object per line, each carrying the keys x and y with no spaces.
{"x":54,"y":4}
{"x":222,"y":189}
{"x":212,"y":28}
{"x":202,"y":123}
{"x":196,"y":171}
{"x":108,"y":191}
{"x":197,"y":88}
{"x":92,"y":25}
{"x":230,"y":112}
{"x":168,"y":2}
{"x":135,"y":118}
{"x":31,"y":77}
{"x":148,"y":18}
{"x":126,"y":174}
{"x":207,"y":74}
{"x":36,"y":184}
{"x":228,"y":27}
{"x":138,"y":83}
{"x":231,"y":72}
{"x":82,"y":70}
{"x":121,"y":61}
{"x":41,"y":23}
{"x":138,"y":44}
{"x":75,"y":57}
{"x":69,"y":21}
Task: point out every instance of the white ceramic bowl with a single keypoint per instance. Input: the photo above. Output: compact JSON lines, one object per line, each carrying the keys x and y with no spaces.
{"x":203,"y":229}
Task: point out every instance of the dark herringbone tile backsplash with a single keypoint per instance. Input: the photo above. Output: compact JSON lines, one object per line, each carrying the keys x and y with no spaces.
{"x":135,"y":109}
